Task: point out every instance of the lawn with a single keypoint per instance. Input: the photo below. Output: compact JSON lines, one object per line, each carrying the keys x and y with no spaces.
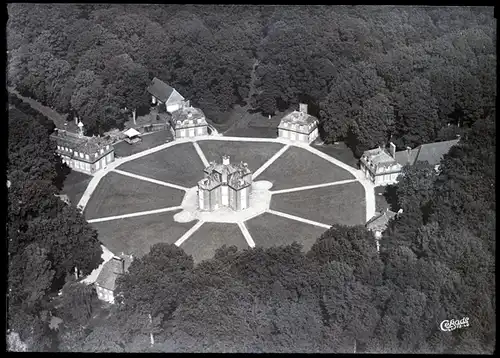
{"x":254,"y":153}
{"x":179,"y":164}
{"x":339,"y":151}
{"x":209,"y":237}
{"x":136,"y":235}
{"x":269,"y":230}
{"x":118,"y":194}
{"x":150,"y":140}
{"x":298,"y":167}
{"x":252,"y":131}
{"x":337,"y":204}
{"x":74,"y":186}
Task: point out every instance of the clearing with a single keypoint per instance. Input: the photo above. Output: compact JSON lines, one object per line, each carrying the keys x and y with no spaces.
{"x":298,"y":167}
{"x":179,"y":164}
{"x":337,"y":204}
{"x":254,"y":153}
{"x":209,"y":237}
{"x":136,"y":235}
{"x":118,"y":194}
{"x":269,"y":230}
{"x":339,"y":151}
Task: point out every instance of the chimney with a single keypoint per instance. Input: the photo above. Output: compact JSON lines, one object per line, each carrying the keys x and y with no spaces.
{"x":408,"y":150}
{"x":187,"y":103}
{"x":76,"y":120}
{"x":393,"y":150}
{"x":458,"y":136}
{"x":225,"y":159}
{"x":303,"y":108}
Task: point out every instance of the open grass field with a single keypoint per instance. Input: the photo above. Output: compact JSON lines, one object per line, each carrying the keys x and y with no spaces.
{"x":209,"y":237}
{"x":118,"y":194}
{"x":297,"y":167}
{"x":269,"y":230}
{"x":254,"y":153}
{"x":74,"y":186}
{"x":338,"y":151}
{"x":179,"y":164}
{"x":136,"y":235}
{"x":338,"y":204}
{"x":150,"y":140}
{"x":252,"y":131}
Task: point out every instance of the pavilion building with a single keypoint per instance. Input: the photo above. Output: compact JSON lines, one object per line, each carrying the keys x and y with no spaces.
{"x":383,"y":167}
{"x":299,"y":126}
{"x":225,"y":185}
{"x":188,"y":121}
{"x":81,"y":153}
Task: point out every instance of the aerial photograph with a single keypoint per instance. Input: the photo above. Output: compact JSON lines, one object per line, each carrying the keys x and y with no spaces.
{"x":210,"y":178}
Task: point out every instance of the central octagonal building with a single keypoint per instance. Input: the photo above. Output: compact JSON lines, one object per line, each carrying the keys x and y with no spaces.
{"x":225,"y":185}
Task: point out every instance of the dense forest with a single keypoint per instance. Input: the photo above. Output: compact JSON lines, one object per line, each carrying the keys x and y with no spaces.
{"x":370,"y":73}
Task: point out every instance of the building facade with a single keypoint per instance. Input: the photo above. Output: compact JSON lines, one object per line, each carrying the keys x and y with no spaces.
{"x":81,"y":153}
{"x":164,"y":95}
{"x":225,"y":185}
{"x":188,"y":122}
{"x":105,"y":283}
{"x":299,"y":126}
{"x":383,"y":167}
{"x":379,"y":166}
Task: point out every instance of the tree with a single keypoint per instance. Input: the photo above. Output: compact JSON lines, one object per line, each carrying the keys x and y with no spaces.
{"x":30,"y":277}
{"x":415,"y":187}
{"x":354,"y":246}
{"x":77,"y":302}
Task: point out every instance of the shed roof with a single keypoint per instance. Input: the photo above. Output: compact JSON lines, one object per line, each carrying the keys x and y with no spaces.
{"x":160,"y":89}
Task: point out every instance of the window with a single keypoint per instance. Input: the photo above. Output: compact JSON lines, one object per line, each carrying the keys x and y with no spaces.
{"x":59,"y":147}
{"x":87,"y":156}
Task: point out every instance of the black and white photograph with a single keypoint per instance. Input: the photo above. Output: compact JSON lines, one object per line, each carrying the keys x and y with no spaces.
{"x":236,"y":178}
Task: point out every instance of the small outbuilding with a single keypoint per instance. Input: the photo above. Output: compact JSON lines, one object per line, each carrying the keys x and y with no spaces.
{"x":106,"y":281}
{"x":132,"y":136}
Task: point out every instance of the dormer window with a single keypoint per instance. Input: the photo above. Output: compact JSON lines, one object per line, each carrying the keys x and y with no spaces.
{"x":87,"y":156}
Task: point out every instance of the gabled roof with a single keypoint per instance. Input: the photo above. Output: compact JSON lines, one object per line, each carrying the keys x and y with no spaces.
{"x":431,"y":153}
{"x":131,"y":132}
{"x":160,"y":89}
{"x":380,"y":220}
